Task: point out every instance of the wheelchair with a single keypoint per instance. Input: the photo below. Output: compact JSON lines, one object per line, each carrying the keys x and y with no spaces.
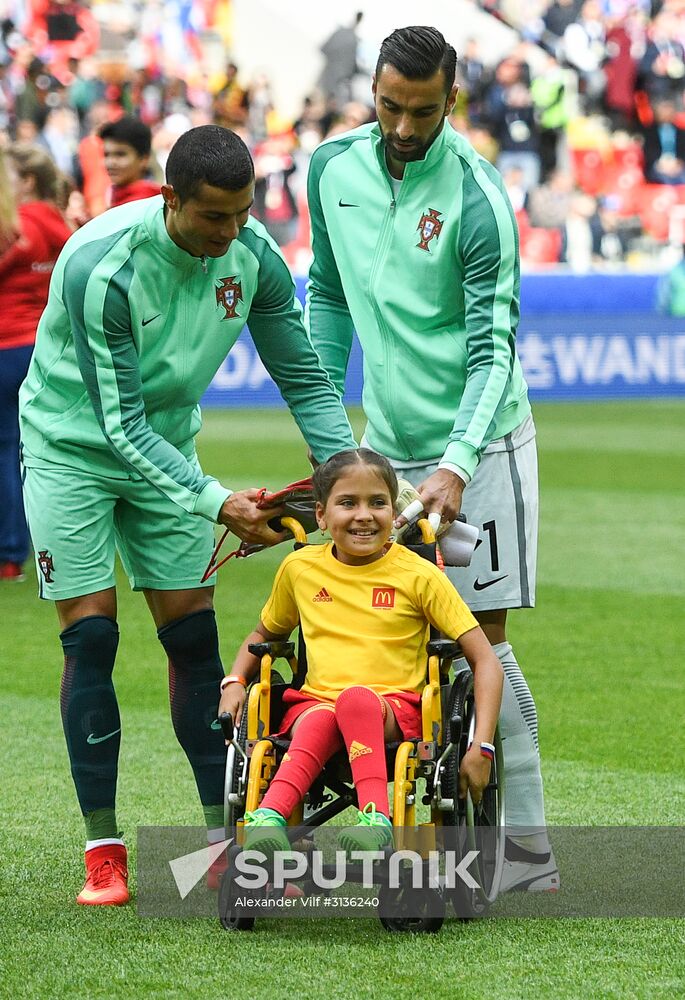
{"x":474,"y":836}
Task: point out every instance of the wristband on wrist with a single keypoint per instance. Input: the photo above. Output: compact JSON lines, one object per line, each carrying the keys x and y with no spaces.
{"x":232,"y":679}
{"x":487,"y":750}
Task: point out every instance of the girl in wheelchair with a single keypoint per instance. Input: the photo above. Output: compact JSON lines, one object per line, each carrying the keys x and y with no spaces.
{"x":364,"y":605}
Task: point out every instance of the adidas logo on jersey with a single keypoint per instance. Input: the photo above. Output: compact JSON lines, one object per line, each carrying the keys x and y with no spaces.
{"x":323,"y":595}
{"x":358,"y":750}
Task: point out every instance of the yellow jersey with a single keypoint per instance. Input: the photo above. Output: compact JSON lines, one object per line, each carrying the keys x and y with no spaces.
{"x":367,"y":624}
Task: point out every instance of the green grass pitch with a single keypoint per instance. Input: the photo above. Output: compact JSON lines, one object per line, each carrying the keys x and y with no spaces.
{"x":602,"y":653}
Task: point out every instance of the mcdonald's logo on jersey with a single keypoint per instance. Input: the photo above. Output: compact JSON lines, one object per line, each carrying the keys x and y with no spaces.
{"x":383,"y":597}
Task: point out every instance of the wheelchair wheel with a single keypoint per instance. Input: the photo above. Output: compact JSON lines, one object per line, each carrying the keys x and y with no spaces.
{"x":234,"y":766}
{"x":406,"y":909}
{"x":231,"y":916}
{"x":481,"y":828}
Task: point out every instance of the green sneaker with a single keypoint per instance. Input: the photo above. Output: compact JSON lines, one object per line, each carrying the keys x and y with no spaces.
{"x":373,"y":832}
{"x":265,"y":831}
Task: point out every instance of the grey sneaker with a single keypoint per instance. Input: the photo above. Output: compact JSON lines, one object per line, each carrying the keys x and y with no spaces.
{"x":523,"y":876}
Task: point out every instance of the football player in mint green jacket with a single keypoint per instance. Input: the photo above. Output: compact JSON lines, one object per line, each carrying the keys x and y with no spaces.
{"x":145,"y":303}
{"x":416,"y":248}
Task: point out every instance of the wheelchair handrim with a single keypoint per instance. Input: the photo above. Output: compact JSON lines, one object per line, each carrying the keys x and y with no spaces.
{"x":489,"y":895}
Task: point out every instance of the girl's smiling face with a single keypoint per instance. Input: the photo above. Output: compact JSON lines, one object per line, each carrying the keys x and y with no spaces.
{"x":358,"y":514}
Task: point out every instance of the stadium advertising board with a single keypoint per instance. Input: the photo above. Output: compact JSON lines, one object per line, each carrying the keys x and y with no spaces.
{"x":602,"y":341}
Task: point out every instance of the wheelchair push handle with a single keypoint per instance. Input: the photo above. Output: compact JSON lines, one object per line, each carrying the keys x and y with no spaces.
{"x":414,"y":510}
{"x":291,"y":524}
{"x":435,"y":520}
{"x":227,"y":726}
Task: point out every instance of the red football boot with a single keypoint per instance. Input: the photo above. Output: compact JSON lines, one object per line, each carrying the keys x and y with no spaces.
{"x":107,"y":877}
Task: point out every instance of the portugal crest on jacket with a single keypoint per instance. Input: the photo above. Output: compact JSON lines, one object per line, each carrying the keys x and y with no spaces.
{"x":429,"y":226}
{"x":228,"y":294}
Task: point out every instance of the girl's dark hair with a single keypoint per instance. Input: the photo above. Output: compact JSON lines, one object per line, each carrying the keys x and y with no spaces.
{"x":208,"y":154}
{"x":326,"y":476}
{"x":417,"y":52}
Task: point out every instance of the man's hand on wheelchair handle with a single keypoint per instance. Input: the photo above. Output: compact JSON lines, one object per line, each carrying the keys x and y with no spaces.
{"x":474,"y":774}
{"x":441,"y":494}
{"x":233,"y":701}
{"x":241,"y":515}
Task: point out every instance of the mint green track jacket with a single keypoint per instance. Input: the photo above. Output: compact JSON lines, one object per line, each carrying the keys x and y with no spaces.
{"x":430,"y":282}
{"x":135,"y":329}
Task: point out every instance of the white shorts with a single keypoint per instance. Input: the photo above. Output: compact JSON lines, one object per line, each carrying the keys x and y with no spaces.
{"x":502,"y":502}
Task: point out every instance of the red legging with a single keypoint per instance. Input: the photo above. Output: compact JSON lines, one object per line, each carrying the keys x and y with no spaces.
{"x":360,"y":714}
{"x":358,"y":722}
{"x":315,"y":740}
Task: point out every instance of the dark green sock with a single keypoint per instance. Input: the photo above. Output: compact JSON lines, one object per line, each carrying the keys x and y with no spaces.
{"x":214,"y":816}
{"x":101,"y":824}
{"x":90,"y":714}
{"x":192,"y":645}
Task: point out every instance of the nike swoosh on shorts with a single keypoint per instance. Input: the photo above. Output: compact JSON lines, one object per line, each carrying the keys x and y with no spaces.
{"x":488,"y":583}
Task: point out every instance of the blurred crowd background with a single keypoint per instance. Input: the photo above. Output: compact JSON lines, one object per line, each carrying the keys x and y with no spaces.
{"x":584,"y":116}
{"x":579,"y":103}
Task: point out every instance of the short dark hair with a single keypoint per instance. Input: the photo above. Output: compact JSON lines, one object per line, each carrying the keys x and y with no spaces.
{"x":418,"y":52}
{"x":130,"y":131}
{"x":326,"y":475}
{"x":208,"y":154}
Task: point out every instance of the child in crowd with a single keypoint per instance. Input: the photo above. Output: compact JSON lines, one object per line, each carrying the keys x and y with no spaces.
{"x":364,"y":606}
{"x":127,"y":146}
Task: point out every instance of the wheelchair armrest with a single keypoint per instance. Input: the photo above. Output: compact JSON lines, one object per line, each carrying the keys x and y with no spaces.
{"x":445,"y":649}
{"x":273,"y":649}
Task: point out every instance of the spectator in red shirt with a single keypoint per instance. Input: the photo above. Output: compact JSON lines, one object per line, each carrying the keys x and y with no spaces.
{"x":32,"y":233}
{"x":127,"y":144}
